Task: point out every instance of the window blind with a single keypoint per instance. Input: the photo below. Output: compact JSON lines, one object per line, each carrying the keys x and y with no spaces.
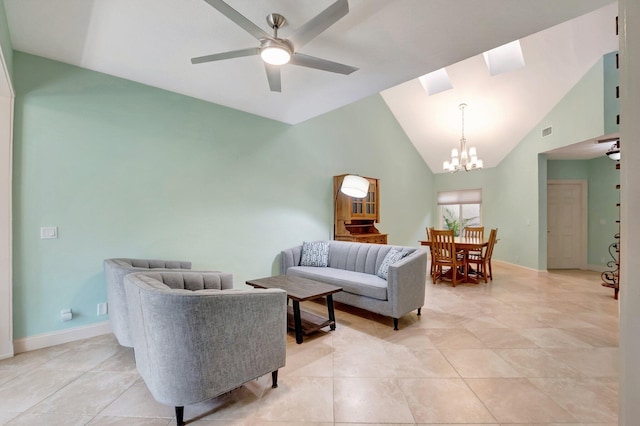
{"x":465,"y":196}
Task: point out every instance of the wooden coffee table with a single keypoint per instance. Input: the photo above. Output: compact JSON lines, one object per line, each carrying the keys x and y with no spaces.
{"x":299,"y":290}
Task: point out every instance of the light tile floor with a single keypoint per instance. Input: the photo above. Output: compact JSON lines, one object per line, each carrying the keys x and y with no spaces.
{"x":529,"y":348}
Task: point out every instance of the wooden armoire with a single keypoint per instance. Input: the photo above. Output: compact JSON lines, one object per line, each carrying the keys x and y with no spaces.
{"x":355,"y":218}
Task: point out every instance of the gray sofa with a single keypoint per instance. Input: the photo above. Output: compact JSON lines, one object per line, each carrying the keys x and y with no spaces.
{"x":353,"y":266}
{"x":115,"y":271}
{"x":194,"y":341}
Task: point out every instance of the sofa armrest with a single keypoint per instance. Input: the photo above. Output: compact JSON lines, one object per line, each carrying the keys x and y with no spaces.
{"x":406,"y":283}
{"x":290,"y":257}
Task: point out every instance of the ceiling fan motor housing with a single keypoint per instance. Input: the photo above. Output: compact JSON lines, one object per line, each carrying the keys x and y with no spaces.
{"x":276,"y":21}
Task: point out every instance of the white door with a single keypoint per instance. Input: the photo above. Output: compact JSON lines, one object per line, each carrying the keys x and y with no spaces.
{"x":566,"y":231}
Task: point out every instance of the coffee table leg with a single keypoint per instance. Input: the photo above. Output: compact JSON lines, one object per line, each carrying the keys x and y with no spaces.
{"x":332,"y":316}
{"x":297,"y":320}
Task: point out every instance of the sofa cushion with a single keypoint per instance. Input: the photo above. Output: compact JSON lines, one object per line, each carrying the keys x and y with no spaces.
{"x":392,"y":257}
{"x":351,"y":282}
{"x":315,"y":253}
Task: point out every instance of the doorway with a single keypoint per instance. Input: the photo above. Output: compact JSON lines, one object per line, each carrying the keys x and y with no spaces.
{"x":566,"y":224}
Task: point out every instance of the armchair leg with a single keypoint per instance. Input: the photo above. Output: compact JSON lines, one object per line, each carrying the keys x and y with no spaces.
{"x":180,"y":416}
{"x":395,"y":324}
{"x":274,"y":379}
{"x":419,"y":309}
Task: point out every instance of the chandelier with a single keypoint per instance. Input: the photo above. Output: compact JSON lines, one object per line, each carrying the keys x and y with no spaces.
{"x":463,"y":159}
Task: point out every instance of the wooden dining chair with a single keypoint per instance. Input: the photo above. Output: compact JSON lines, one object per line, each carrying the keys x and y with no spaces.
{"x":483,"y":259}
{"x":474,"y":232}
{"x":431,"y":271}
{"x":444,"y":255}
{"x":490,"y":250}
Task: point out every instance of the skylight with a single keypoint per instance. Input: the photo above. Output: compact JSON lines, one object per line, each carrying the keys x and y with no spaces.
{"x":505,"y":58}
{"x":436,"y":81}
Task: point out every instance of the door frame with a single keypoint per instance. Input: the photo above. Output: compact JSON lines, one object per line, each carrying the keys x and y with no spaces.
{"x":584,"y":226}
{"x":6,"y":155}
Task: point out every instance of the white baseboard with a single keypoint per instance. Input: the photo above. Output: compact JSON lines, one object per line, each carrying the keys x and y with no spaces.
{"x":58,"y":337}
{"x":519,"y":266}
{"x":6,"y":349}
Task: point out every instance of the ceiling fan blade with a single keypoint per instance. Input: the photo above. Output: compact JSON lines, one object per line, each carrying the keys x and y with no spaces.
{"x":321,"y":64}
{"x":319,"y":23}
{"x":226,"y":55}
{"x":239,"y":19}
{"x":273,"y":75}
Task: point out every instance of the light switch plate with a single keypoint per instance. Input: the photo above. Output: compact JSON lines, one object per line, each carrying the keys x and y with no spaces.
{"x":47,"y":232}
{"x":102,"y":309}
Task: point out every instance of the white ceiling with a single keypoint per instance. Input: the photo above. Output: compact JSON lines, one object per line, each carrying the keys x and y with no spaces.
{"x":501,"y":110}
{"x":391,"y":41}
{"x":584,"y":150}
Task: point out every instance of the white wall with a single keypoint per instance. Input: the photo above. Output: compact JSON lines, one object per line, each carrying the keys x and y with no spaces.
{"x":6,"y":324}
{"x":629,"y":389}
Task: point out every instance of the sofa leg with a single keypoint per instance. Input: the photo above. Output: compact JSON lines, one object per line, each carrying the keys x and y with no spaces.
{"x":395,"y":324}
{"x":419,"y":309}
{"x":180,"y":416}
{"x":274,"y":379}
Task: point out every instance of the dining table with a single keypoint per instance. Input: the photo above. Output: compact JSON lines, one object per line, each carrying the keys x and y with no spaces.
{"x":465,"y":244}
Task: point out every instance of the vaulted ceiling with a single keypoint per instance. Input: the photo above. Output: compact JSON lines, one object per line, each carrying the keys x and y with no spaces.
{"x":392,"y":42}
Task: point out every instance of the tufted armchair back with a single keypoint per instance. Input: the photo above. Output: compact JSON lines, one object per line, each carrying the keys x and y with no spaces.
{"x":191,"y":281}
{"x":115,"y":270}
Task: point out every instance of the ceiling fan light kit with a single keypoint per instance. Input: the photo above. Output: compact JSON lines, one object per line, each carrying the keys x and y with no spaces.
{"x":276,"y":51}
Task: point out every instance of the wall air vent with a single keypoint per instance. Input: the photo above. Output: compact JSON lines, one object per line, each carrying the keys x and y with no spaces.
{"x":547,"y":131}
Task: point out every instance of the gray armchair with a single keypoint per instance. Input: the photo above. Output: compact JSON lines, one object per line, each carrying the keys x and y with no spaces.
{"x":194,"y":341}
{"x":115,"y":271}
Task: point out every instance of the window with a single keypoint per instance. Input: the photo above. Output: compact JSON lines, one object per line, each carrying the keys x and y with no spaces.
{"x":459,"y":209}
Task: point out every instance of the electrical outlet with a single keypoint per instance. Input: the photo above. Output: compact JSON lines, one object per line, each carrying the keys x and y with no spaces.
{"x":48,"y":232}
{"x":66,"y":314}
{"x":102,"y":309}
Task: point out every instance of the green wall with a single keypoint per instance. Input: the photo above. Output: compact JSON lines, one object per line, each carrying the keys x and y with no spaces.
{"x":603,"y":198}
{"x":602,"y":177}
{"x":126,"y":170}
{"x":611,"y":101}
{"x":514,"y":192}
{"x":568,"y":169}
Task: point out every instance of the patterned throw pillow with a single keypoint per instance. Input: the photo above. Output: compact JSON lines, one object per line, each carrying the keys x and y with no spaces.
{"x":392,"y":257}
{"x":315,"y":253}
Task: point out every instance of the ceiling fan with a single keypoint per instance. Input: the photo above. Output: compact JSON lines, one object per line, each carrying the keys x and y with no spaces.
{"x":276,"y":51}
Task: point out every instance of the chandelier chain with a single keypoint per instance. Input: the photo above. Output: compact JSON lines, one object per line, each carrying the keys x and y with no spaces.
{"x":462,"y":106}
